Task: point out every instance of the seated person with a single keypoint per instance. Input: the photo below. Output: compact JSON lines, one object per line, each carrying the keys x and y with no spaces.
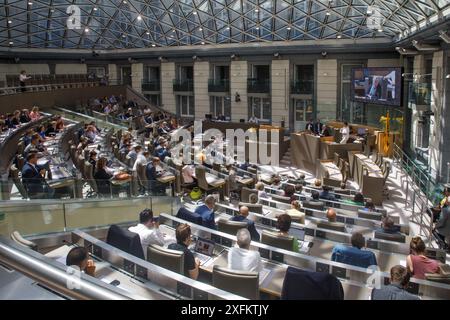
{"x":253,"y":199}
{"x":331,"y":216}
{"x":396,"y":290}
{"x":153,"y":171}
{"x":93,"y":160}
{"x":283,"y":225}
{"x":354,"y":255}
{"x":79,"y":257}
{"x":103,"y":178}
{"x":325,"y":194}
{"x":34,"y":145}
{"x":388,"y":226}
{"x":276,"y":183}
{"x":317,"y":183}
{"x":243,"y":217}
{"x":148,"y":230}
{"x":295,"y":212}
{"x":51,"y":129}
{"x":188,"y":174}
{"x":33,"y":179}
{"x":206,"y":211}
{"x":191,"y":264}
{"x":241,"y":257}
{"x":315,"y":195}
{"x":325,"y":132}
{"x":417,"y":263}
{"x":358,"y":200}
{"x":90,"y":134}
{"x":289,"y":191}
{"x":261,"y":193}
{"x":298,"y":188}
{"x":302,"y":180}
{"x":369,"y":206}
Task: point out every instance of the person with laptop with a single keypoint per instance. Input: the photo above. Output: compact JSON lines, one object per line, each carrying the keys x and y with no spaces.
{"x":396,"y":289}
{"x":206,"y":211}
{"x":191,"y":264}
{"x":148,"y":230}
{"x":241,"y":257}
{"x":354,"y":255}
{"x":243,"y":217}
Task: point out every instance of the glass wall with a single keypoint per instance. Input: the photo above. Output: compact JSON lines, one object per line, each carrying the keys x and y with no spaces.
{"x":260,"y":108}
{"x":220,"y":106}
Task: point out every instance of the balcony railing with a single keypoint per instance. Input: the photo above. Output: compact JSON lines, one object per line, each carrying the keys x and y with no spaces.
{"x":183,"y":85}
{"x":218,"y":85}
{"x":151,"y":85}
{"x":258,"y":86}
{"x":302,"y":87}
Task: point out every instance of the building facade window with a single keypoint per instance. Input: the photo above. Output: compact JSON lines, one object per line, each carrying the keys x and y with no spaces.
{"x":260,"y":108}
{"x":220,"y":106}
{"x":185,"y":106}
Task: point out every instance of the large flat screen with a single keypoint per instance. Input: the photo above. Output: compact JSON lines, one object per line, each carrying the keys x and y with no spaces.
{"x":377,"y":85}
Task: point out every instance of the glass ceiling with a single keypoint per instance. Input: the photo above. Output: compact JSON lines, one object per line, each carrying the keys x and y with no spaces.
{"x":115,"y":24}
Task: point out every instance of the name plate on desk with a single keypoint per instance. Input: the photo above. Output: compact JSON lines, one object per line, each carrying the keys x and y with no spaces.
{"x":322,"y":267}
{"x":141,"y":272}
{"x":339,"y":272}
{"x":321,"y":234}
{"x":128,"y":266}
{"x":350,"y":221}
{"x":265,"y":253}
{"x":97,"y":251}
{"x":372,"y":244}
{"x":309,"y":232}
{"x":413,"y":288}
{"x":340,"y":219}
{"x":276,"y":256}
{"x":266,"y":221}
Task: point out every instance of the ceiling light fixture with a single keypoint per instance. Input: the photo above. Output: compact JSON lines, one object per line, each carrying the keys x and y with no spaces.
{"x":447,"y":76}
{"x":203,"y":42}
{"x":328,"y":13}
{"x":339,"y":36}
{"x":200,"y":29}
{"x":11,"y":43}
{"x":288,"y":28}
{"x":139,"y":18}
{"x":9,"y":21}
{"x":95,"y":9}
{"x":86,"y":30}
{"x":194,"y":13}
{"x":30,"y":3}
{"x":153,"y":45}
{"x":256,"y":10}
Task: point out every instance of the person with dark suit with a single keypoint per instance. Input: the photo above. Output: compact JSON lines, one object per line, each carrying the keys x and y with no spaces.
{"x":103,"y":178}
{"x":206,"y":211}
{"x":153,"y":171}
{"x":442,"y":226}
{"x":325,"y":132}
{"x":243,"y":214}
{"x":317,"y":127}
{"x":33,"y":179}
{"x":309,"y":126}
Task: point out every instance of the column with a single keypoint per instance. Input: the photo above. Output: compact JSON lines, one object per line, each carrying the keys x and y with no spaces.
{"x":326,"y":89}
{"x":238,"y":84}
{"x":201,"y":98}
{"x":112,"y":74}
{"x":137,"y":74}
{"x":167,"y":77}
{"x":438,"y":160}
{"x":280,"y":92}
{"x":419,"y":68}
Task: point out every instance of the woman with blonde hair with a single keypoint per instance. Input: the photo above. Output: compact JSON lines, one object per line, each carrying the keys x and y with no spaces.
{"x":34,"y":114}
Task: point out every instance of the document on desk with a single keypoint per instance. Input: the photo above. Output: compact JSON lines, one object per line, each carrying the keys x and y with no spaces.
{"x":263,"y":274}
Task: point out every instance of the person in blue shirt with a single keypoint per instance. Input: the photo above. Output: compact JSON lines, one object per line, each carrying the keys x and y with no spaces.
{"x":325,"y":194}
{"x":388,"y":226}
{"x":354,"y":255}
{"x":243,"y":214}
{"x":206,"y":211}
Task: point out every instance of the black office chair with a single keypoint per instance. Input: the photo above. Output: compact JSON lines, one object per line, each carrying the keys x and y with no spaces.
{"x":316,"y":205}
{"x":281,"y":199}
{"x":242,"y":283}
{"x":370,"y":215}
{"x":187,"y":215}
{"x":335,"y":226}
{"x":308,"y":285}
{"x":230,"y":227}
{"x":172,"y":260}
{"x":276,"y":240}
{"x":125,"y":240}
{"x":396,"y":237}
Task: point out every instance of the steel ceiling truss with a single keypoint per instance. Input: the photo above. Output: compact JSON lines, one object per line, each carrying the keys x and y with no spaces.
{"x":115,"y":24}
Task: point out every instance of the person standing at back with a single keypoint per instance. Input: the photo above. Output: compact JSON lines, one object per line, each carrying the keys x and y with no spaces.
{"x":396,"y":289}
{"x":22,"y":80}
{"x":241,"y":257}
{"x":345,"y":132}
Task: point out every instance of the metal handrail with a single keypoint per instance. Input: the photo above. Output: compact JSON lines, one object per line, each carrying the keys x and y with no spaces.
{"x":421,"y":189}
{"x":46,"y":272}
{"x":46,"y":87}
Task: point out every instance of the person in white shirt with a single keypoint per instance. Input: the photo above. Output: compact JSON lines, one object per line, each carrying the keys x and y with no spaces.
{"x":242,"y":258}
{"x":148,"y":230}
{"x":345,"y":132}
{"x":142,"y":158}
{"x":253,"y":119}
{"x":22,"y":78}
{"x":187,"y":172}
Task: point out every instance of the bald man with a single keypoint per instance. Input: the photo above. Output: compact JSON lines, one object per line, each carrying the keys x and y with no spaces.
{"x":331,"y":216}
{"x":243,"y":214}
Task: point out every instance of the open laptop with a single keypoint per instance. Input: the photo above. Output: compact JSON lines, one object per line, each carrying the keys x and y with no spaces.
{"x":204,"y":250}
{"x":303,"y":246}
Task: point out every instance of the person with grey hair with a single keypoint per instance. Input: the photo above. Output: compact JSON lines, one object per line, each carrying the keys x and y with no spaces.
{"x":241,"y":257}
{"x":206,"y":211}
